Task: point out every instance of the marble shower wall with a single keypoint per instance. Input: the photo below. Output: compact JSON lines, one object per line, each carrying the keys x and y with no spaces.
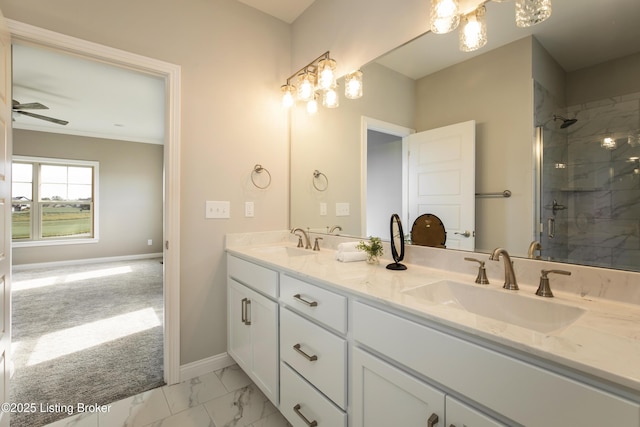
{"x":599,"y":186}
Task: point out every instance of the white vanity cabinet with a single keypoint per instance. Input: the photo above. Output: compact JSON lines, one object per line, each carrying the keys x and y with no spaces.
{"x":252,"y":338}
{"x":513,"y":388}
{"x":313,"y":351}
{"x":384,"y":395}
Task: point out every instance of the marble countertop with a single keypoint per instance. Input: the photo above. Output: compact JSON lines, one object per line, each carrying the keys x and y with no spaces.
{"x":604,"y":342}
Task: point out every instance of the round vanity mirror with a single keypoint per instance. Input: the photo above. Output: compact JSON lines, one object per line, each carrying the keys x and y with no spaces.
{"x":397,"y":241}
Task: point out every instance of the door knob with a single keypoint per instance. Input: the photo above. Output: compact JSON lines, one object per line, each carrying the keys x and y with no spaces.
{"x":467,"y":233}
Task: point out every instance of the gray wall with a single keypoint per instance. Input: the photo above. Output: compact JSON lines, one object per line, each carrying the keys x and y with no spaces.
{"x":499,"y":97}
{"x":130,"y":194}
{"x":233,"y":60}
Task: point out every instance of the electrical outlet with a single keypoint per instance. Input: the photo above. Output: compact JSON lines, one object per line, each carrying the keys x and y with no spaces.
{"x":342,"y":209}
{"x":248,"y":209}
{"x":149,"y":242}
{"x":215,"y":209}
{"x":323,"y":209}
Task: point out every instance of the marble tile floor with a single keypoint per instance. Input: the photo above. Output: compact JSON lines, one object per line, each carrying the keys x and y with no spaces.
{"x":225,"y":398}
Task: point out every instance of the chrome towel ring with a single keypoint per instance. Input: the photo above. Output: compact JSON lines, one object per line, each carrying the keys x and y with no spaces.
{"x":319,"y":177}
{"x":255,"y":173}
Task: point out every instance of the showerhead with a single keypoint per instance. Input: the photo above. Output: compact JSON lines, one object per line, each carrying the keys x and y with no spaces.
{"x":565,"y":122}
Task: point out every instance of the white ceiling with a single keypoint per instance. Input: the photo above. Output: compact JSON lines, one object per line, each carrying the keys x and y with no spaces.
{"x":101,"y":100}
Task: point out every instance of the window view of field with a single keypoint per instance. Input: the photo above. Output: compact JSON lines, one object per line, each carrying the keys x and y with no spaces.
{"x":63,"y":206}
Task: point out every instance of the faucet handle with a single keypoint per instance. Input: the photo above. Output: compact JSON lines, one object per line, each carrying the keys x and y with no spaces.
{"x":300,"y":244}
{"x":316,"y":246}
{"x":544,"y":290}
{"x":481,"y":278}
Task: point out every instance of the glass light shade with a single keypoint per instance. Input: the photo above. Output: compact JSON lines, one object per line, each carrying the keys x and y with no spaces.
{"x":608,"y":143}
{"x":326,"y":73}
{"x":444,"y":16}
{"x":330,"y":99}
{"x":287,"y":95}
{"x":473,"y":31}
{"x":353,"y":85}
{"x":531,"y":12}
{"x":312,"y":106}
{"x":306,"y":86}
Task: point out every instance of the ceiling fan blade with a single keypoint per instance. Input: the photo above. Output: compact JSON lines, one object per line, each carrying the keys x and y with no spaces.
{"x":38,"y":116}
{"x":29,"y":106}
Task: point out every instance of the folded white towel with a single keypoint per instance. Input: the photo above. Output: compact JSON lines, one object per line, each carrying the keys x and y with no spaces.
{"x":351,"y":256}
{"x":348,"y":247}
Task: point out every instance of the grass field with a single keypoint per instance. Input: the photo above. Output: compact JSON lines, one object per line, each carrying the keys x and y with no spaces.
{"x":65,"y":221}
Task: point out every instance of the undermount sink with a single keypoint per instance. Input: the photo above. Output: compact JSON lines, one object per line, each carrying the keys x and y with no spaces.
{"x":290,"y":251}
{"x":530,"y":313}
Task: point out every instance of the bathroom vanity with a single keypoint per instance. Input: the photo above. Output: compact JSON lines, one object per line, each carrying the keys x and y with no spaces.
{"x":353,"y":344}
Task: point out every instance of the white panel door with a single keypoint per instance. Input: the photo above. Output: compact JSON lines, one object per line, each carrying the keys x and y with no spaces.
{"x":385,"y":396}
{"x":5,"y":214}
{"x":441,"y":176}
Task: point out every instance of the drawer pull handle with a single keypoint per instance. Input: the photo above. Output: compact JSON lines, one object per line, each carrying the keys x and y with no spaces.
{"x":305,"y":355}
{"x":246,"y":310}
{"x":313,"y":423}
{"x":433,"y":420}
{"x":304,"y":301}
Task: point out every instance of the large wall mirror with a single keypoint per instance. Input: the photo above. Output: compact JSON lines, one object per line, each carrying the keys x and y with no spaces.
{"x":557,"y":124}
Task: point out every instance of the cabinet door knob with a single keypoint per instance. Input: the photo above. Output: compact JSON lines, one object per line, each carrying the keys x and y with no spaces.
{"x":433,"y":420}
{"x":305,"y":355}
{"x":296,"y":409}
{"x":304,"y":301}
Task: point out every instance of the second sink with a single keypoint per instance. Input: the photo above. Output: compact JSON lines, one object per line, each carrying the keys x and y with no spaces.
{"x":530,"y":313}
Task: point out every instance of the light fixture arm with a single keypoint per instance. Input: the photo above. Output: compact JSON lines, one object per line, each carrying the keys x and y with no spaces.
{"x":313,"y":65}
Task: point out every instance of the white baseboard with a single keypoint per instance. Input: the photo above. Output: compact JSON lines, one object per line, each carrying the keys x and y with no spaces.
{"x":53,"y":264}
{"x":205,"y":366}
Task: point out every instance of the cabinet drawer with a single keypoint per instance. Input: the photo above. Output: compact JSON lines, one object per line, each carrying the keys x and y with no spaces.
{"x":301,"y":404}
{"x":543,"y":398}
{"x":327,"y":369}
{"x":324,"y":306}
{"x":255,"y":276}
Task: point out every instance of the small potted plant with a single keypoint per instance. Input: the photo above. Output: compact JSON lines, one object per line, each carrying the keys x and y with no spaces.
{"x":373,"y":249}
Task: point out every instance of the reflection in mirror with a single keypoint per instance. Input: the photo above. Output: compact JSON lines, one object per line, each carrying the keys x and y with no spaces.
{"x":576,"y":188}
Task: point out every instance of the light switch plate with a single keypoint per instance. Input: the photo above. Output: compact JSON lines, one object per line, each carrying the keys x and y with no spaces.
{"x":249,"y":210}
{"x":323,"y":209}
{"x":218,"y":209}
{"x":342,"y":209}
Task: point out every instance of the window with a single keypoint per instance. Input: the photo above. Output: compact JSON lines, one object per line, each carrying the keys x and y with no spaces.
{"x":54,"y":201}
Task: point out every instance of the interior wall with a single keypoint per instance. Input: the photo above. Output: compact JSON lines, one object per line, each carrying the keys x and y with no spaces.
{"x":233,"y":59}
{"x":330,"y":141}
{"x":130,"y":195}
{"x":496,"y":90}
{"x":384,"y":182}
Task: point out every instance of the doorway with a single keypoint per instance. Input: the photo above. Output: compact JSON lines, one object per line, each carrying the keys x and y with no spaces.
{"x":171,"y":74}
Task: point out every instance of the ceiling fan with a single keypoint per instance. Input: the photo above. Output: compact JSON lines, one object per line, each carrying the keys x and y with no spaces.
{"x":18,"y":107}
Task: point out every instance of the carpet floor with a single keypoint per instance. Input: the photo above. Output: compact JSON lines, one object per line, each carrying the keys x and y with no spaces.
{"x":89,"y":334}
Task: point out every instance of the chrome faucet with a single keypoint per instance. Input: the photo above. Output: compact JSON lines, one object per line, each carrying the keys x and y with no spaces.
{"x":510,"y":281}
{"x":306,"y":237}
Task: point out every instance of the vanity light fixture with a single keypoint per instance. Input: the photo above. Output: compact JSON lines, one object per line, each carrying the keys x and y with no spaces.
{"x":317,"y":80}
{"x":326,"y":73}
{"x":330,"y":98}
{"x":608,"y":143}
{"x":531,"y":12}
{"x":473,"y":30}
{"x":306,"y":85}
{"x":445,"y":16}
{"x":312,"y":106}
{"x":353,"y":85}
